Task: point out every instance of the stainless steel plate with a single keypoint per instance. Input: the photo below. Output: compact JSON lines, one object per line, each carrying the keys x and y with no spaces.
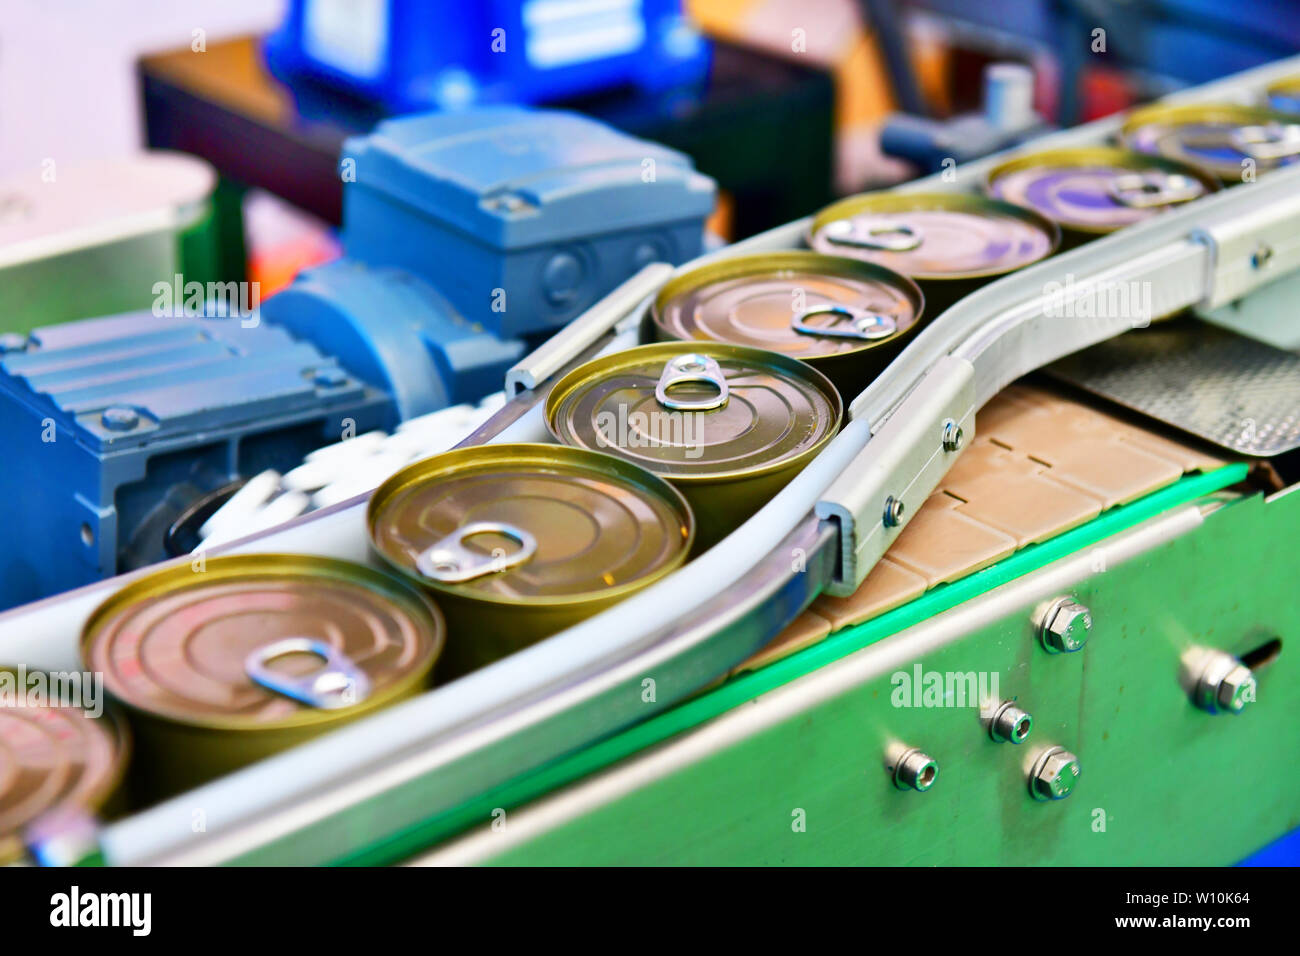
{"x":1235,"y":392}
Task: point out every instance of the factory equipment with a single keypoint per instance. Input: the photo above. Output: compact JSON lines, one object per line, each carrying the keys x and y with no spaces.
{"x":1123,"y":591}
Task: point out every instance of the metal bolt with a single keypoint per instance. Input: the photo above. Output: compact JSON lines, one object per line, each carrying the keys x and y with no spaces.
{"x":12,"y":342}
{"x":330,"y":377}
{"x":120,"y":418}
{"x":1225,"y":685}
{"x":893,"y":511}
{"x":1054,"y":774}
{"x":1063,"y":625}
{"x":915,"y":771}
{"x":1010,"y":724}
{"x":952,"y":436}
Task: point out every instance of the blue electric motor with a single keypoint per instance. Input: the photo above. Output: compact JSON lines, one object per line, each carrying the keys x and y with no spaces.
{"x":419,"y":54}
{"x":113,"y":427}
{"x":468,"y":237}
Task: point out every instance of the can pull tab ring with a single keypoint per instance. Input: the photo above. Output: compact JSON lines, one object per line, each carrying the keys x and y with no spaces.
{"x":339,"y":683}
{"x":886,"y":235}
{"x":1146,"y":190}
{"x":449,"y":561}
{"x":869,"y":326}
{"x":1268,"y":141}
{"x":692,"y":367}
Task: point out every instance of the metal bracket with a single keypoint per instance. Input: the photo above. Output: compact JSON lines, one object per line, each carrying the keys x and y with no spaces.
{"x":1251,"y":251}
{"x":899,"y":468}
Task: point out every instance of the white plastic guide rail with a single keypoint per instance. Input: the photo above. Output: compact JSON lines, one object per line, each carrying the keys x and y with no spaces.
{"x":373,"y":779}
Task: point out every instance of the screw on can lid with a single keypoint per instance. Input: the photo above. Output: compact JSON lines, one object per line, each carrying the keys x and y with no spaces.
{"x":53,"y":757}
{"x":530,"y":524}
{"x":777,"y":410}
{"x":800,"y":304}
{"x":934,"y":235}
{"x":1097,"y":189}
{"x":1223,"y":138}
{"x":263,"y":641}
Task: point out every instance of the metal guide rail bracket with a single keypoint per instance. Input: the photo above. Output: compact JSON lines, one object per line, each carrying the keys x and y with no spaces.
{"x":1248,"y":252}
{"x":872,"y":500}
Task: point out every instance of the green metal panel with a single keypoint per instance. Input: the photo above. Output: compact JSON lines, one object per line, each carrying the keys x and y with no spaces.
{"x":1162,"y":781}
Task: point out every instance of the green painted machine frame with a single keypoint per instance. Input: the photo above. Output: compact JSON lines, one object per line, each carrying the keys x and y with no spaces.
{"x":1162,"y":782}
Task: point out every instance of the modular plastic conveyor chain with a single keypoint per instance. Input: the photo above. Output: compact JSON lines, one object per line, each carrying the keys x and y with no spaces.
{"x":370,"y":781}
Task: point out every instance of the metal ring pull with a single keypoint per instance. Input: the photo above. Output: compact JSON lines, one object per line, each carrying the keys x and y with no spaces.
{"x":692,"y":367}
{"x":449,"y":561}
{"x":869,"y":326}
{"x":339,"y":683}
{"x":1145,"y":190}
{"x":884,"y":234}
{"x":1268,"y":141}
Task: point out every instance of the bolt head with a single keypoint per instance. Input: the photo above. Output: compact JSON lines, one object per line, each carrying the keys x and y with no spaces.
{"x":12,"y":342}
{"x":1068,"y":628}
{"x":1237,"y":689}
{"x":331,"y":377}
{"x":952,"y":436}
{"x":894,"y":509}
{"x":915,"y":771}
{"x":1055,"y":775}
{"x":120,"y":418}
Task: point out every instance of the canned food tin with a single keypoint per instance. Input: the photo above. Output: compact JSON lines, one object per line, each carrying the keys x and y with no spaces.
{"x":521,"y":541}
{"x":1095,"y":190}
{"x":845,"y":317}
{"x":950,"y":243}
{"x":728,"y":425}
{"x":230,"y":661}
{"x":1284,"y":96}
{"x":54,"y":757}
{"x":1224,"y":138}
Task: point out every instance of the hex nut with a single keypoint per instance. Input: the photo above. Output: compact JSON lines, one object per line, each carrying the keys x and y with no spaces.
{"x":1064,"y":626}
{"x":1054,"y":774}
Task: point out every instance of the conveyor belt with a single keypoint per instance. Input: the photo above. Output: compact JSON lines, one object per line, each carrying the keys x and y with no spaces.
{"x":1043,"y":464}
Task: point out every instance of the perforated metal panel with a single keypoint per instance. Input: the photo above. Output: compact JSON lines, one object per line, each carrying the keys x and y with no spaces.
{"x":1238,"y":393}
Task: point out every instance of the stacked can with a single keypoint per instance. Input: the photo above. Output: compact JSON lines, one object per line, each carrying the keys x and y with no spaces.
{"x":727,"y":425}
{"x":54,"y":758}
{"x":229,"y":660}
{"x":520,"y":541}
{"x":846,"y":318}
{"x":950,"y":243}
{"x":1232,"y":141}
{"x":1095,"y":190}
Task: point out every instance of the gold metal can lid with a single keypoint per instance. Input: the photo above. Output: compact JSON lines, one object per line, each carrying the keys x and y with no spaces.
{"x":1225,"y":138}
{"x":530,"y":524}
{"x":1097,"y":189}
{"x":697,"y":411}
{"x":935,"y":236}
{"x":53,"y":756}
{"x":802,"y":304}
{"x":263,"y":641}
